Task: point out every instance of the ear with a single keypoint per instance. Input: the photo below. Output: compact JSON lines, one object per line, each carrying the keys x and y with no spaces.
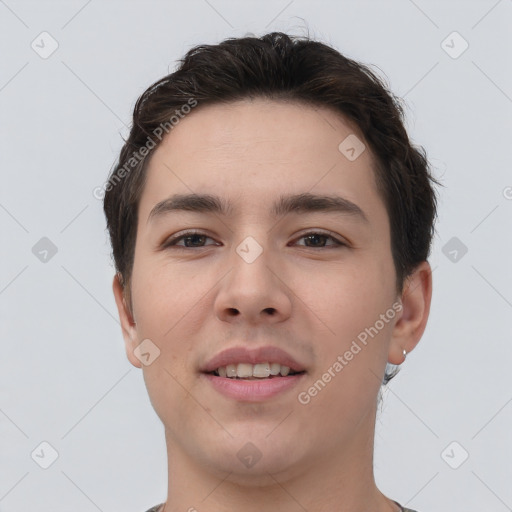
{"x":408,"y":329}
{"x":128,"y":325}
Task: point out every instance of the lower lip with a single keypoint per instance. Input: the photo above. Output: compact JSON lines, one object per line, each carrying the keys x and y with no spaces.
{"x":253,"y":390}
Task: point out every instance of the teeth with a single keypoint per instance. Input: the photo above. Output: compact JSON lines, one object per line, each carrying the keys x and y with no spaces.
{"x":244,"y":370}
{"x":285,"y":370}
{"x":275,"y":368}
{"x":261,"y":370}
{"x":247,"y":370}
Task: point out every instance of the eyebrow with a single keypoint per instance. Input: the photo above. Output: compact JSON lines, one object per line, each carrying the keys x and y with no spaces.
{"x":296,"y":203}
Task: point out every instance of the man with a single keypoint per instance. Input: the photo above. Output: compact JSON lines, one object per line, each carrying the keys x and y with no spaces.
{"x":270,"y":223}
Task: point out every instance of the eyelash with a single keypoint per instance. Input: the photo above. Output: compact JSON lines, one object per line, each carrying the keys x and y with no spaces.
{"x":171,"y":242}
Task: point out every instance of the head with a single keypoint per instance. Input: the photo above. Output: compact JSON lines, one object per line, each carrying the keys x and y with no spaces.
{"x":261,"y":134}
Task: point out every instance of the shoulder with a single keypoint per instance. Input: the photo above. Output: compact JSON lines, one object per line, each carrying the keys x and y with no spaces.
{"x":156,"y":508}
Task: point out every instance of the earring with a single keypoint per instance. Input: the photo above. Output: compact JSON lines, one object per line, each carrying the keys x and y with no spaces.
{"x":405,"y":355}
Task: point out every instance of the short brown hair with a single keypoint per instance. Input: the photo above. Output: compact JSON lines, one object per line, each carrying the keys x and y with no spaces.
{"x":282,"y":67}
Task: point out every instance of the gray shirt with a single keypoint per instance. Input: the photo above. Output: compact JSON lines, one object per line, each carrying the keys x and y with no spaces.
{"x":159,"y":508}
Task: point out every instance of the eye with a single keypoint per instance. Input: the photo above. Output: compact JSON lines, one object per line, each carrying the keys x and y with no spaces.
{"x":318,"y":239}
{"x":197,"y":239}
{"x":190,"y":240}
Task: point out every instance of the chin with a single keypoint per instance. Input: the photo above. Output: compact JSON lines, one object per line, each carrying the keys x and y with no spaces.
{"x":256,"y":461}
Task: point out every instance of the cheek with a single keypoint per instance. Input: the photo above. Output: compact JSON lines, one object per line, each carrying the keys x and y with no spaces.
{"x":348,"y":299}
{"x":167,"y":306}
{"x":352,"y":352}
{"x":170,"y":308}
{"x":163,"y":299}
{"x":350,"y":303}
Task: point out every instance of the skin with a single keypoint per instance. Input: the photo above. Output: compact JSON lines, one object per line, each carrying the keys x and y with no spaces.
{"x":192,"y":302}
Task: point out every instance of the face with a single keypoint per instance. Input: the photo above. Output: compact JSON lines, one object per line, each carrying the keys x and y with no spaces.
{"x":309,"y":281}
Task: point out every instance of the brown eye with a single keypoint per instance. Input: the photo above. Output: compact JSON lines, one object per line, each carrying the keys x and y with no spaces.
{"x":190,"y":240}
{"x":319,"y":240}
{"x":194,"y":240}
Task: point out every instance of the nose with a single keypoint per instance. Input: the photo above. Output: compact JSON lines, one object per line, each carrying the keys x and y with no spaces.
{"x":254,"y":292}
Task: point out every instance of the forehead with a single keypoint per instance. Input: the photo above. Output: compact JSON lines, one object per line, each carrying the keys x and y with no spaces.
{"x":251,"y":151}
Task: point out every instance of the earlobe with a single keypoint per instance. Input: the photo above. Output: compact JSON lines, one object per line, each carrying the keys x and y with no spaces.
{"x":128,"y":324}
{"x":409,"y":328}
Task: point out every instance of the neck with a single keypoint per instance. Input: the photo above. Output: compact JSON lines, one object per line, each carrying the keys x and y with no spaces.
{"x":340,"y":480}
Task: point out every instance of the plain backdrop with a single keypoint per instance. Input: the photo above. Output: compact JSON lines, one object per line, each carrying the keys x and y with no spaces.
{"x":443,"y":436}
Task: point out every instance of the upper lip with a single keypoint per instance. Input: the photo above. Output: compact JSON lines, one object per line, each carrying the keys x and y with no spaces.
{"x":241,"y":354}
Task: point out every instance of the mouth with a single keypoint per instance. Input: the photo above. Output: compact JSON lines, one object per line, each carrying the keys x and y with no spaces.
{"x":252,"y":374}
{"x":259,"y":371}
{"x":245,"y":382}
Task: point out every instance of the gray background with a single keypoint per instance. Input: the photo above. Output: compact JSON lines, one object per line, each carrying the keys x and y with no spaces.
{"x":64,"y":376}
